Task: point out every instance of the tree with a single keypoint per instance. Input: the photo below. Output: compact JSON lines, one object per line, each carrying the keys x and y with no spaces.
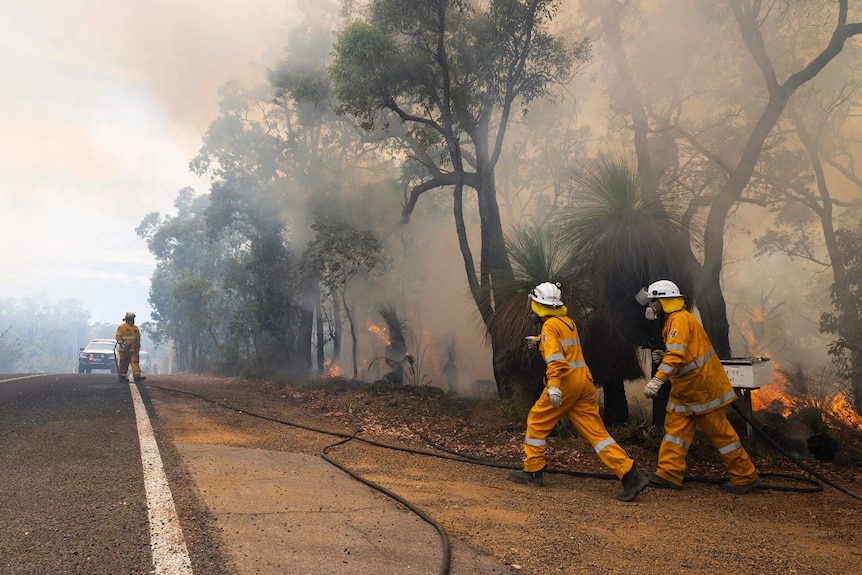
{"x":621,"y":239}
{"x":742,"y":129}
{"x":190,"y":308}
{"x":749,"y":16}
{"x":451,"y":73}
{"x":808,"y":208}
{"x":339,"y":253}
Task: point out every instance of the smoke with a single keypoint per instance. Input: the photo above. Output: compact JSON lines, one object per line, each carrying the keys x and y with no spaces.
{"x":103,"y":104}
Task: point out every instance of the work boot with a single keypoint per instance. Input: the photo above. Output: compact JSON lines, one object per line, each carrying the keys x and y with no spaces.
{"x":122,"y":378}
{"x":139,"y":378}
{"x":527,"y":477}
{"x":740,"y":489}
{"x":633,"y":483}
{"x":656,"y":481}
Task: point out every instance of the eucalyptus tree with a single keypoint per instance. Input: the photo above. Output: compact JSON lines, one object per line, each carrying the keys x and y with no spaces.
{"x":444,"y":76}
{"x":341,"y":253}
{"x":748,"y":125}
{"x":819,"y":203}
{"x":749,"y":17}
{"x":189,"y":308}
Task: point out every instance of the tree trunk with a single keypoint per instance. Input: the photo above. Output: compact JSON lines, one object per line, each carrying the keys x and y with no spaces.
{"x":856,"y":377}
{"x":713,"y":315}
{"x":336,"y":329}
{"x":352,"y":330}
{"x":308,"y":302}
{"x":616,"y":411}
{"x":321,"y":339}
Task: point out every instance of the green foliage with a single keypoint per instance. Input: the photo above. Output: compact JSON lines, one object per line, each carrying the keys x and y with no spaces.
{"x":10,"y":352}
{"x":448,"y":71}
{"x":340,"y":252}
{"x":622,"y":239}
{"x":845,"y":321}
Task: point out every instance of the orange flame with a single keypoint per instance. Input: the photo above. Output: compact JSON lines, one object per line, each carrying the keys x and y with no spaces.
{"x":763,"y":397}
{"x":331,"y":369}
{"x":380,"y":331}
{"x":838,"y":405}
{"x":754,"y":346}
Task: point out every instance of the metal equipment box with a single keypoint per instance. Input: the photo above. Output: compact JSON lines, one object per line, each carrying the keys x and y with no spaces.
{"x":748,"y":372}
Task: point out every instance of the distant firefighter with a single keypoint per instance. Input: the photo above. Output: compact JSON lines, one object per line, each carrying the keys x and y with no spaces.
{"x":129,"y":348}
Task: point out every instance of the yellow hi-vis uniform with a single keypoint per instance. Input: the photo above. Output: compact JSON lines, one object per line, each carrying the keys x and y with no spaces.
{"x":130,"y":334}
{"x":560,"y":347}
{"x":699,"y":392}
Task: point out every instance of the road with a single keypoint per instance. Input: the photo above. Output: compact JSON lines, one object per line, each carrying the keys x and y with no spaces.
{"x":72,"y":481}
{"x":87,"y":488}
{"x":72,"y":494}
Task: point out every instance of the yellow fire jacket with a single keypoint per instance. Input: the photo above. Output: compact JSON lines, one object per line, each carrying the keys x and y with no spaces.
{"x":130,"y":334}
{"x":560,"y":346}
{"x":699,"y":383}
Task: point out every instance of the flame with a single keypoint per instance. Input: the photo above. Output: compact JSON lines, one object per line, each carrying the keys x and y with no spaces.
{"x":840,"y":407}
{"x":380,"y":331}
{"x":766,"y":396}
{"x":746,"y":330}
{"x":331,"y":369}
{"x":836,"y":406}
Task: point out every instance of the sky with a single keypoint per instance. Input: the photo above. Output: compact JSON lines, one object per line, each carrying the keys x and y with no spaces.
{"x":102,"y":106}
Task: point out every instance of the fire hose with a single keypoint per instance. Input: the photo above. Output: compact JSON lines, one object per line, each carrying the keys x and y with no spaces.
{"x":444,"y":453}
{"x":116,"y":363}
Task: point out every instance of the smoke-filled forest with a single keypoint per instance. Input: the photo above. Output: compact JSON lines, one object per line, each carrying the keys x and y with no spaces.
{"x":383,"y":198}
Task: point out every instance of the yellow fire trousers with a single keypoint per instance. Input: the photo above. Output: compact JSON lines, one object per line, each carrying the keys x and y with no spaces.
{"x":129,"y":357}
{"x":579,"y":403}
{"x":678,"y":435}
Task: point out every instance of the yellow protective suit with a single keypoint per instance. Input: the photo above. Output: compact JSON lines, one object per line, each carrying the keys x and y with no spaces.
{"x":560,"y":347}
{"x":699,"y":392}
{"x":130,"y":334}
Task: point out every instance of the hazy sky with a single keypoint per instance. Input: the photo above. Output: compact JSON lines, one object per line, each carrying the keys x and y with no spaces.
{"x":102,"y":105}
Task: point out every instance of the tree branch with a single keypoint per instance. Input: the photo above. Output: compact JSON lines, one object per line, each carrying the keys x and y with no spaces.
{"x":438,"y":181}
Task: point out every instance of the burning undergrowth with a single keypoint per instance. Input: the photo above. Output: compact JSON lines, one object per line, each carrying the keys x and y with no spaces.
{"x":810,"y":413}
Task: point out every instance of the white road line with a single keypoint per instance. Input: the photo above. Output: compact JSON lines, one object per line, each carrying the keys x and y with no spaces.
{"x":23,"y":377}
{"x":170,"y":556}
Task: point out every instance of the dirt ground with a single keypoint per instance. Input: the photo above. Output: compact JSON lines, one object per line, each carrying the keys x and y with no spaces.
{"x":571,"y":525}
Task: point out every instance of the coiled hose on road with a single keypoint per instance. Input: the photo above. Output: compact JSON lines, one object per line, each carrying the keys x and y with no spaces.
{"x":813,"y":486}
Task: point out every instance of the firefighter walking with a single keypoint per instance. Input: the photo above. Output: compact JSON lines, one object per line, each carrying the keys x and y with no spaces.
{"x":569,"y":390}
{"x":129,"y":349}
{"x":699,"y":392}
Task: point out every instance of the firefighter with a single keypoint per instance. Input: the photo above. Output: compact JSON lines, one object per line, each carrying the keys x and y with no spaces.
{"x":128,"y":348}
{"x":569,"y":390}
{"x":699,"y":392}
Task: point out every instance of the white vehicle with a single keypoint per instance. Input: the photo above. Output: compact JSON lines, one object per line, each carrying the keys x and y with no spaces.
{"x":144,"y":361}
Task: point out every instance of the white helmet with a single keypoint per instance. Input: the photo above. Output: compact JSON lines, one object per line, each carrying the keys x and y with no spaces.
{"x":663,"y":288}
{"x":547,"y":294}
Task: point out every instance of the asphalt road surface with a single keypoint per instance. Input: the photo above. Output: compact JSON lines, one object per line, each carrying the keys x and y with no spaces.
{"x":86,"y":488}
{"x":74,"y":483}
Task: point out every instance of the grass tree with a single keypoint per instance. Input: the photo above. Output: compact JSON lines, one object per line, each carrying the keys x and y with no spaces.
{"x":619,"y":240}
